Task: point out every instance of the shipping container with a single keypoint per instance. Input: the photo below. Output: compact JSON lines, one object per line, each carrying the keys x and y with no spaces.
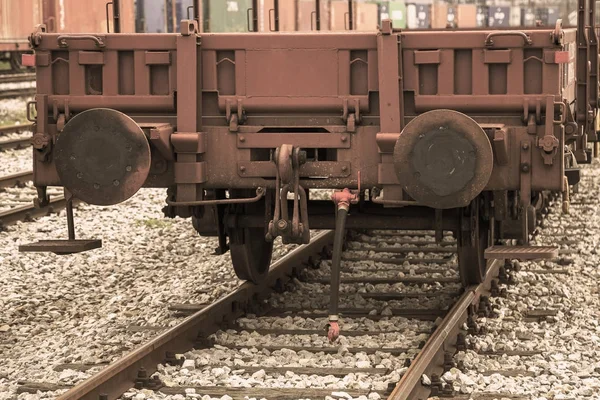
{"x":307,"y":16}
{"x":541,"y":16}
{"x":18,"y":19}
{"x":397,"y":13}
{"x":515,"y":16}
{"x":452,"y":17}
{"x":528,"y":16}
{"x":68,"y":16}
{"x":418,"y":16}
{"x":339,"y":15}
{"x":467,"y":16}
{"x":227,"y":15}
{"x":439,"y":15}
{"x":554,"y":15}
{"x":367,"y":16}
{"x":499,"y":17}
{"x":287,"y":15}
{"x":482,"y":16}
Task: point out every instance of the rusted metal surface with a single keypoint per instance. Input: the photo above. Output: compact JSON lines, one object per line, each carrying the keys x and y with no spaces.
{"x":102,"y":157}
{"x":121,"y":375}
{"x":16,"y":20}
{"x":430,"y":359}
{"x":444,"y":159}
{"x":311,"y":78}
{"x":18,"y":17}
{"x":329,"y":112}
{"x":62,"y":246}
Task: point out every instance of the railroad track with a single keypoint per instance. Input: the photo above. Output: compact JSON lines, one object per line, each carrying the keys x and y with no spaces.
{"x":18,"y":179}
{"x":13,"y":93}
{"x":16,"y":202}
{"x":18,"y":142}
{"x":29,"y":211}
{"x":4,"y":130}
{"x":387,"y":331}
{"x":16,"y":78}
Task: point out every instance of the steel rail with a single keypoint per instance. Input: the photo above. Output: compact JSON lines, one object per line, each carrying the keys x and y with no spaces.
{"x":9,"y":94}
{"x":15,"y":128}
{"x":16,"y":179}
{"x":19,"y":143}
{"x":26,"y":213}
{"x":121,"y":375}
{"x":430,"y":359}
{"x":15,"y":78}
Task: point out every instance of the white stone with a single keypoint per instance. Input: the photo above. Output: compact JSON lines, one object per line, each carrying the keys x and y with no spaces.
{"x":189,"y":364}
{"x":425,"y":380}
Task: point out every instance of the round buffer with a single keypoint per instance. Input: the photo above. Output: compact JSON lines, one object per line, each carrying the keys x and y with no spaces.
{"x":102,"y":156}
{"x":443,"y":159}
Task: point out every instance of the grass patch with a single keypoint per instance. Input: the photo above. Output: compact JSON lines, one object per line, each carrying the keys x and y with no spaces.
{"x":14,"y":115}
{"x":154,"y":223}
{"x":4,"y":65}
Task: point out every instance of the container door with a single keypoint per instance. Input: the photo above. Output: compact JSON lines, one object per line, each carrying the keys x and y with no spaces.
{"x":554,"y":15}
{"x":397,"y":11}
{"x":411,"y":16}
{"x":499,"y":17}
{"x":439,"y":17}
{"x":482,"y":16}
{"x":423,"y":16}
{"x":367,"y":16}
{"x":228,"y":15}
{"x":467,"y":16}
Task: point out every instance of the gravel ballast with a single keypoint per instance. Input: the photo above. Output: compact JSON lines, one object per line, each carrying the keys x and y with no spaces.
{"x":80,"y":308}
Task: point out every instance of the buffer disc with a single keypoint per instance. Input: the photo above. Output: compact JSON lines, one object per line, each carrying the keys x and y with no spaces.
{"x":443,"y":159}
{"x":102,"y":156}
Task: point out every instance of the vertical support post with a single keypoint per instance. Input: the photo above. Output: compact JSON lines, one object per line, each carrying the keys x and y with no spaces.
{"x":593,"y":58}
{"x":318,"y":14}
{"x":351,"y":15}
{"x":525,"y":189}
{"x":188,"y":140}
{"x":391,"y":107}
{"x":254,"y":15}
{"x":174,"y":15}
{"x":198,"y":12}
{"x":276,"y":8}
{"x":140,"y":17}
{"x":117,"y":16}
{"x":166,"y":24}
{"x":49,"y":15}
{"x":70,"y":215}
{"x":582,"y":80}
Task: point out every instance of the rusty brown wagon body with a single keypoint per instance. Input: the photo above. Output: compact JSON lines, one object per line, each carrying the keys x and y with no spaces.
{"x":17,"y":17}
{"x":449,"y":130}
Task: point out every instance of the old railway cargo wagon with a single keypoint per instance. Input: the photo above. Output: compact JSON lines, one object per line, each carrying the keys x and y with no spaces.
{"x":17,"y":17}
{"x":459,"y":130}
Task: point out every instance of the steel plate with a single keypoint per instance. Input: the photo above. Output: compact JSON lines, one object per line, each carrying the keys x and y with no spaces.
{"x":443,"y":159}
{"x":102,"y":156}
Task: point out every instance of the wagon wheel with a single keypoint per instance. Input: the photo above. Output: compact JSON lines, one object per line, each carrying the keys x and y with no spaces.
{"x":472,"y":240}
{"x":250,"y":252}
